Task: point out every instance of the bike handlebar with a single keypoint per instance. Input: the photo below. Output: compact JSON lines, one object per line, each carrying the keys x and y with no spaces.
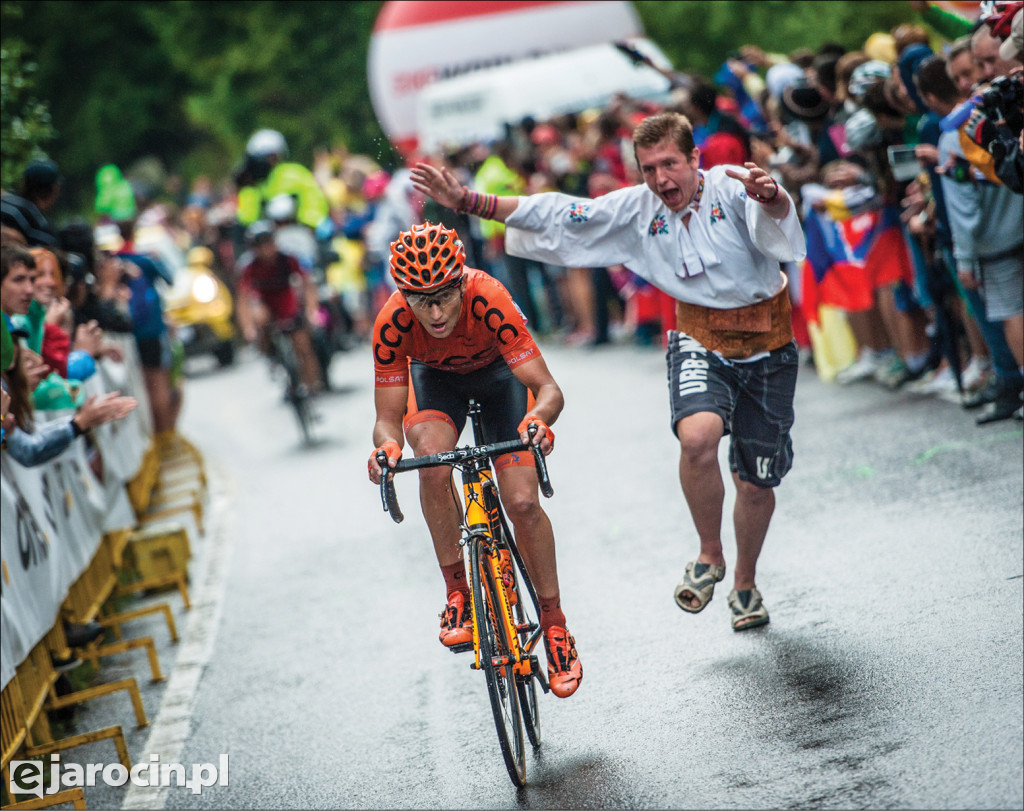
{"x":389,"y":498}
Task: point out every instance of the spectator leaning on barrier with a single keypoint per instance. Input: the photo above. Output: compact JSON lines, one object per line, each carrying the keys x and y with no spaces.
{"x":57,"y":319}
{"x":140,"y":274}
{"x":23,"y":442}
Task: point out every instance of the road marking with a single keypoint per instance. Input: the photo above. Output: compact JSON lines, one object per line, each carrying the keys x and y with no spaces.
{"x":961,"y":444}
{"x":173,"y":724}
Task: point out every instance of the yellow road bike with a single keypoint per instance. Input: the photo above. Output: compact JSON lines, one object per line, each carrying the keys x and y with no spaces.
{"x":505,"y":630}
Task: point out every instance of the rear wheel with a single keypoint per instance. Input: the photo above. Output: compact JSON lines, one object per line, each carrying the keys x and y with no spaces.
{"x":501,"y":680}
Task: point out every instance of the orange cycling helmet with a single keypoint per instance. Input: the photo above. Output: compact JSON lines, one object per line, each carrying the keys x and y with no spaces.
{"x":427,"y":257}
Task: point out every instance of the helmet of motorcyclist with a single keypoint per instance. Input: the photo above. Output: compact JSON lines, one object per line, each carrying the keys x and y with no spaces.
{"x":259,"y":231}
{"x":265,"y":143}
{"x":280,"y":208}
{"x":427,"y":257}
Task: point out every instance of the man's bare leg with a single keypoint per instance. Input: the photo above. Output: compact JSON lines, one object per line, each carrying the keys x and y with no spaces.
{"x":752,"y":514}
{"x":701,"y":479}
{"x":534,"y":535}
{"x":440,"y":510}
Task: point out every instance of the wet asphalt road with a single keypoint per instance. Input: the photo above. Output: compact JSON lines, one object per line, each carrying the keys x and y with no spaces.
{"x":890,"y":675}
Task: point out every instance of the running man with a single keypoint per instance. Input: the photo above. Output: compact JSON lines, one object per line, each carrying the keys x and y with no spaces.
{"x":713,"y":241}
{"x":447,"y":335}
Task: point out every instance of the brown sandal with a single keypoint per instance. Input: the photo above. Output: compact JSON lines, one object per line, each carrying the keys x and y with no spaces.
{"x":698,"y":583}
{"x":747,"y":609}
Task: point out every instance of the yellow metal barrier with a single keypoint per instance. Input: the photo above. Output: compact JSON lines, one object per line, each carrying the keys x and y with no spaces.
{"x":171,"y":478}
{"x":72,"y":795}
{"x":26,"y":728}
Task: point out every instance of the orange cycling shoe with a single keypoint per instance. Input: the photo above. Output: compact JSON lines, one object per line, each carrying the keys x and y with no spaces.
{"x":456,"y":621}
{"x":564,"y":669}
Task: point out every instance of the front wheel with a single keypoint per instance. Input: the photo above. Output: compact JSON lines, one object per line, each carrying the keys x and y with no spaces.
{"x":224,"y":353}
{"x":530,"y":709}
{"x":304,"y":411}
{"x":501,"y":680}
{"x":527,"y":686}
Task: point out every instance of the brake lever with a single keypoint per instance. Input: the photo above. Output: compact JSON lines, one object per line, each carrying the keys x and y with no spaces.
{"x":388,"y":496}
{"x":540,"y":463}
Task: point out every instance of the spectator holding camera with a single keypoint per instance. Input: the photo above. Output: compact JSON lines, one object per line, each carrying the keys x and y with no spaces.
{"x":985,"y":215}
{"x":936,"y":84}
{"x":1002,"y":102}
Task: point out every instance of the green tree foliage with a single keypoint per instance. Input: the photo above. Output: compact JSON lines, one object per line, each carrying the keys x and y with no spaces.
{"x":188,"y":81}
{"x":25,"y":123}
{"x":698,"y":35}
{"x":298,"y":67}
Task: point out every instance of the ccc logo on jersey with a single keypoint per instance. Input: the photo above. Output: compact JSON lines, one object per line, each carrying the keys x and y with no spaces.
{"x":493,"y":319}
{"x":390,"y":335}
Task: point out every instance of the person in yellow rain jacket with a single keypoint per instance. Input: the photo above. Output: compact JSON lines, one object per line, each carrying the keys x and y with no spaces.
{"x":267,"y":174}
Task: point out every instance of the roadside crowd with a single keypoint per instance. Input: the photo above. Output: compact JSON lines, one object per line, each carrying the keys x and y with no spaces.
{"x":904,"y":156}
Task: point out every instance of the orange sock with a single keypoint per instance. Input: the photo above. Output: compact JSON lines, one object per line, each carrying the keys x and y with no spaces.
{"x":455,"y":578}
{"x":551,"y":612}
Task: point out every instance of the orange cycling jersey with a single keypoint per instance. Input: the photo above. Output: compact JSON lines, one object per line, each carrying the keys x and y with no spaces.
{"x":490,"y":325}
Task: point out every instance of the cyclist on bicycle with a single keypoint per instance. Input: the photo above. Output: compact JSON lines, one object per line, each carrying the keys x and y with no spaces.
{"x":447,"y":335}
{"x":267,"y":296}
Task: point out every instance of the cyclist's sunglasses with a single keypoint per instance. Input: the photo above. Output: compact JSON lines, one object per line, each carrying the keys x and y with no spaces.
{"x":442,"y":298}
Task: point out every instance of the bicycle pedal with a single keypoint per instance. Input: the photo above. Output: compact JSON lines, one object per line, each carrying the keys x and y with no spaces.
{"x":461,"y":648}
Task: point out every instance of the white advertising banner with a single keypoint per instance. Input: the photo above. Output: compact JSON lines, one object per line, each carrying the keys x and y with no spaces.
{"x":53,"y":516}
{"x":34,"y":565}
{"x":475,"y":107}
{"x":417,"y":43}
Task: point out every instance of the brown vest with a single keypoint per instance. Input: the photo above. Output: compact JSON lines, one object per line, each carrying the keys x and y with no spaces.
{"x":740,"y":332}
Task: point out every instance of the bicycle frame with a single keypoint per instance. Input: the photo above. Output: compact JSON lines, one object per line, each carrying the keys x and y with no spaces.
{"x":502,"y":644}
{"x":483,"y":523}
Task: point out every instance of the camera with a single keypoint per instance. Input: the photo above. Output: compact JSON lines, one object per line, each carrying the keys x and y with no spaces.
{"x":1003,"y":100}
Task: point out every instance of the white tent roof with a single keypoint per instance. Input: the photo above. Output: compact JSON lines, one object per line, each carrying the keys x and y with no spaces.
{"x":475,"y":107}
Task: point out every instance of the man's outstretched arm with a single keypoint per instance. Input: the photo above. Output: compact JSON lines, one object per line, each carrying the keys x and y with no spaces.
{"x":443,"y":187}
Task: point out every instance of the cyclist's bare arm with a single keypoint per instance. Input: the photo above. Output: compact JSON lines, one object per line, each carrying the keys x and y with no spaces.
{"x":390,"y":403}
{"x":443,"y":187}
{"x":246,"y":309}
{"x":311,"y":296}
{"x":534,"y":374}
